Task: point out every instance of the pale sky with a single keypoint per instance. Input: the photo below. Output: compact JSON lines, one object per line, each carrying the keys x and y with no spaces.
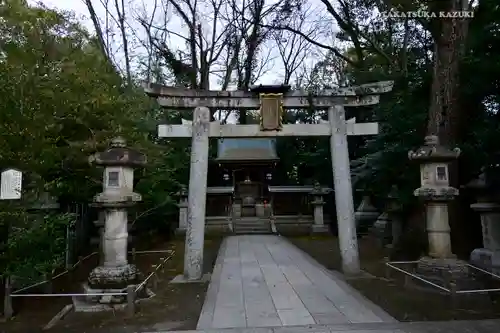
{"x":273,"y":75}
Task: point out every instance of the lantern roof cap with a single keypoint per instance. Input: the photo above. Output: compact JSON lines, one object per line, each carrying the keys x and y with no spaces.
{"x":118,"y":154}
{"x":432,"y":151}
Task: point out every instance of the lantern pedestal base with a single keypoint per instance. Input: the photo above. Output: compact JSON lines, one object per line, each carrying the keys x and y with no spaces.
{"x":106,"y":299}
{"x":486,"y":259}
{"x":450,"y":273}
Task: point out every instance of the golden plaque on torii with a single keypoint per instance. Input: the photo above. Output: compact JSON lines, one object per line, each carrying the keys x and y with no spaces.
{"x":271,"y":106}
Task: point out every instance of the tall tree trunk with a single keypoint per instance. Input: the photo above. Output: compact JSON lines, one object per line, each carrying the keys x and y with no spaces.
{"x":101,"y":43}
{"x":253,"y":43}
{"x":449,"y":48}
{"x":445,"y":112}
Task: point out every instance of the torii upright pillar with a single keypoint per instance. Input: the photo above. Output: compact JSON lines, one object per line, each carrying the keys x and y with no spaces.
{"x":264,"y":98}
{"x":344,"y":204}
{"x":197,"y":195}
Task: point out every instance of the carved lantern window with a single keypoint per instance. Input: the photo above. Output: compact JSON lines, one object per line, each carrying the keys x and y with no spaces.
{"x":113,"y":179}
{"x":441,"y":174}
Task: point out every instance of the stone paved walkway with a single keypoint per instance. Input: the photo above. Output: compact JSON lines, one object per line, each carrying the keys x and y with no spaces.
{"x":265,"y":281}
{"x":479,"y":326}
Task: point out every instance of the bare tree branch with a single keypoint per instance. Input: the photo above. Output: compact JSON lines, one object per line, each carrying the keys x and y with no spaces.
{"x":103,"y":45}
{"x":292,"y":48}
{"x":120,"y":11}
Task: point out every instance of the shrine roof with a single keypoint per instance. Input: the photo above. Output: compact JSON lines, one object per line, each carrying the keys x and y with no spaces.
{"x":246,"y":150}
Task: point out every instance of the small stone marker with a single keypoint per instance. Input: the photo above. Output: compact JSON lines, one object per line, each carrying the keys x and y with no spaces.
{"x":11,"y":185}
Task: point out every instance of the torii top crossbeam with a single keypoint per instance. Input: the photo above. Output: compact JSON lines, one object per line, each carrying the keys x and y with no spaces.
{"x":182,"y":98}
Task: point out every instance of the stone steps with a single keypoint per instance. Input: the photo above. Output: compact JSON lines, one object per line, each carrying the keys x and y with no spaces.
{"x":251,"y":225}
{"x":241,"y":230}
{"x":252,"y":231}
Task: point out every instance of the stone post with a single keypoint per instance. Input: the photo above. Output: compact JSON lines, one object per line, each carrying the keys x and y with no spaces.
{"x":236,"y":210}
{"x":319,"y":225}
{"x":183,"y":210}
{"x":7,"y":298}
{"x":115,"y":273}
{"x":99,"y":223}
{"x":197,"y":195}
{"x":343,"y":191}
{"x":394,"y":212}
{"x":260,"y":210}
{"x":436,"y":192}
{"x":487,"y":257}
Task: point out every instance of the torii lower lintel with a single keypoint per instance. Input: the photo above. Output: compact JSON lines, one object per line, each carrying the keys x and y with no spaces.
{"x":253,"y":102}
{"x":217,"y":130}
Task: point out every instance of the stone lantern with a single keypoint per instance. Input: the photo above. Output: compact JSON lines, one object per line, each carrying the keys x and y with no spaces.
{"x":487,"y":257}
{"x":115,"y":273}
{"x":381,"y":228}
{"x":366,"y":214}
{"x":318,"y":193}
{"x":436,"y":191}
{"x":440,"y":266}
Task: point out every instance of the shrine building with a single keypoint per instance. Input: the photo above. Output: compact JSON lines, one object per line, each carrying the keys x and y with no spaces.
{"x":242,"y":197}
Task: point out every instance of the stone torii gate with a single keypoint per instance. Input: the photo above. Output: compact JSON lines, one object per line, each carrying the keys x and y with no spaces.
{"x":272,"y":101}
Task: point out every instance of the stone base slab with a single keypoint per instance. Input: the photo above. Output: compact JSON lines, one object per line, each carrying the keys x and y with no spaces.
{"x":319,"y":229}
{"x":180,"y":232}
{"x":212,"y":231}
{"x":182,"y":279}
{"x":106,"y":303}
{"x":85,"y":306}
{"x":113,"y":278}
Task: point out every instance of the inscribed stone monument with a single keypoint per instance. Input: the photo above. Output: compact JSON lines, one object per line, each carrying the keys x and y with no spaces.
{"x":11,"y":186}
